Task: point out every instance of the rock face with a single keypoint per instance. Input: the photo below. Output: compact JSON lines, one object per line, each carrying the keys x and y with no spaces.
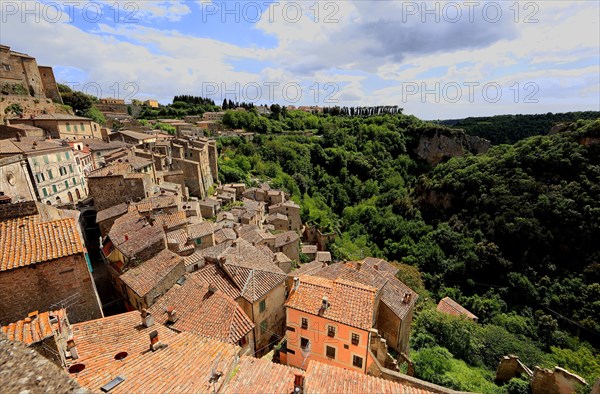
{"x":557,"y":381}
{"x":23,"y":370}
{"x":440,"y":146}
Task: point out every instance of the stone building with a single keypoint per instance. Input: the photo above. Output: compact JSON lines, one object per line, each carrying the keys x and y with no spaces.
{"x":15,"y":181}
{"x":46,"y":332}
{"x":249,"y":275}
{"x":44,"y":266}
{"x":63,"y":126}
{"x":292,"y":211}
{"x":118,"y":183}
{"x":22,"y":75}
{"x":52,"y":168}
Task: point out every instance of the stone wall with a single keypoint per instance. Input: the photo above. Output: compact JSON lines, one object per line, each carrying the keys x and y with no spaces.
{"x":49,"y":84}
{"x":274,"y":315}
{"x":113,"y":190}
{"x":48,"y":286}
{"x":29,"y":105}
{"x":15,"y":181}
{"x":557,"y":381}
{"x":166,"y":283}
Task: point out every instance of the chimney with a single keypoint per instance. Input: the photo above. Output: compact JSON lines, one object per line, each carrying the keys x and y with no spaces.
{"x":212,"y":288}
{"x":359,"y":265}
{"x":296,"y":283}
{"x":298,"y":383}
{"x":376,"y":267}
{"x":325,"y":303}
{"x":126,"y":237}
{"x":72,"y":349}
{"x":407,"y":297}
{"x":147,"y":318}
{"x":171,"y":315}
{"x":154,"y":341}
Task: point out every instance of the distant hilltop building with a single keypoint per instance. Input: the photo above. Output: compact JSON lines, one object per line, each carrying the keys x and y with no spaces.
{"x":21,"y":75}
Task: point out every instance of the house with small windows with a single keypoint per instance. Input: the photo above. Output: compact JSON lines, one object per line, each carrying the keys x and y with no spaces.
{"x":63,"y":126}
{"x":55,"y":174}
{"x":348,"y":314}
{"x":249,"y":275}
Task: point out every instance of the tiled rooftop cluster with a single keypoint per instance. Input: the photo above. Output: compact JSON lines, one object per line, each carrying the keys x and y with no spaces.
{"x":28,"y":240}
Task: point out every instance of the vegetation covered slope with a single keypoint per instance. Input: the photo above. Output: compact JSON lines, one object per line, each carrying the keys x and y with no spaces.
{"x":511,"y":234}
{"x":508,"y":129}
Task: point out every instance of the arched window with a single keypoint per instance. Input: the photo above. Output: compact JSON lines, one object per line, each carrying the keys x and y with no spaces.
{"x":78,"y":194}
{"x":58,"y":200}
{"x":70,"y":197}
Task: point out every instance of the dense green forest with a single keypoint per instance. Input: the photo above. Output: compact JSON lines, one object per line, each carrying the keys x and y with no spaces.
{"x":512,"y":234}
{"x":508,"y":129}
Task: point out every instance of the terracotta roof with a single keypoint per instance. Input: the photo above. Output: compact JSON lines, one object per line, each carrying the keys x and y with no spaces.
{"x":113,"y":169}
{"x":259,"y":376}
{"x":34,"y":328}
{"x":449,"y":306}
{"x":286,"y":238}
{"x":212,"y":274}
{"x":201,"y":311}
{"x":27,"y":241}
{"x":147,"y":275}
{"x":324,"y":378}
{"x":178,"y":241}
{"x":135,"y":134}
{"x":209,"y":202}
{"x":200,"y":230}
{"x":350,"y":303}
{"x":183,"y":365}
{"x":153,"y":203}
{"x":171,"y":220}
{"x":224,"y":234}
{"x":256,"y":236}
{"x":381,"y":265}
{"x":393,"y":291}
{"x":131,"y":234}
{"x":309,"y":268}
{"x":109,"y":213}
{"x":282,"y":258}
{"x":252,"y":269}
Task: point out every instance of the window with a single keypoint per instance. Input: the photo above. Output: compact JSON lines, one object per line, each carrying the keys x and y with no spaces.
{"x":50,"y":176}
{"x":45,"y":192}
{"x":58,"y":157}
{"x":62,"y":170}
{"x":263,"y":327}
{"x":40,"y":177}
{"x":331,"y":331}
{"x":74,"y":181}
{"x":6,"y":67}
{"x":304,"y":323}
{"x":67,"y":184}
{"x":198,"y":241}
{"x":292,"y":329}
{"x":46,"y":159}
{"x":304,"y":343}
{"x":243,"y":341}
{"x":82,"y":128}
{"x":262,"y":306}
{"x":75,"y":127}
{"x":330,"y":352}
{"x":355,"y":339}
{"x":54,"y":189}
{"x":357,"y":361}
{"x":67,"y":155}
{"x":70,"y":167}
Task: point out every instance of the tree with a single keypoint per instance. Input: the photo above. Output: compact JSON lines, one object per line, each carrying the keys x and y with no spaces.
{"x":80,"y":102}
{"x":94,"y":114}
{"x":225,"y":105}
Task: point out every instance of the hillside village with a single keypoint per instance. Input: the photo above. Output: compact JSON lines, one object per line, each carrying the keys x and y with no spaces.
{"x":132,"y":268}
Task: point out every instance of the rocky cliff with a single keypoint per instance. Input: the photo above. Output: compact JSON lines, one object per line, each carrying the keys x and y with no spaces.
{"x":439,"y":146}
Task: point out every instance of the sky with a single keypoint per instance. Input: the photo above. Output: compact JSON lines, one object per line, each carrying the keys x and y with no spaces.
{"x":435,"y":59}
